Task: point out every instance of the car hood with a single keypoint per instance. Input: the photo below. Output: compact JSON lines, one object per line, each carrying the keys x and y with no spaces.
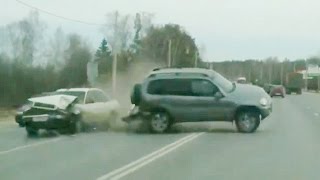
{"x":248,"y":93}
{"x":58,"y":101}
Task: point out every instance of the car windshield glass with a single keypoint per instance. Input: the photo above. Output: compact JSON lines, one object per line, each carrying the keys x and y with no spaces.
{"x":223,"y":83}
{"x":78,"y":94}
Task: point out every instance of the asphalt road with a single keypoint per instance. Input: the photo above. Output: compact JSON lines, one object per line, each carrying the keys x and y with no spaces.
{"x":286,"y":146}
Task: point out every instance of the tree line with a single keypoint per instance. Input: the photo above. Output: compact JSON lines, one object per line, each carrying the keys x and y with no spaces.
{"x":268,"y":71}
{"x":34,"y":61}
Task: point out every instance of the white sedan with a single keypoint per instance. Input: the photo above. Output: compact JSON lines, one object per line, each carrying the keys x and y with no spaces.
{"x":97,"y":109}
{"x":74,"y":110}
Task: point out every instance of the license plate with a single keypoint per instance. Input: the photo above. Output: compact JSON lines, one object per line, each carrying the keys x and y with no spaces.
{"x":40,"y":119}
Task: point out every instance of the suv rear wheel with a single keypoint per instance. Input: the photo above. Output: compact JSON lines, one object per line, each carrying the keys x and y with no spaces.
{"x":247,"y":121}
{"x":76,"y":125}
{"x":160,"y":122}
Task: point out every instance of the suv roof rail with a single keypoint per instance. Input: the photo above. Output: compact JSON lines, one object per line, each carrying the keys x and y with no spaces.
{"x":159,"y":68}
{"x":178,"y":74}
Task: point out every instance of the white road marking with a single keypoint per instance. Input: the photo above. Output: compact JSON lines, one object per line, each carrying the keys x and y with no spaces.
{"x":316,"y":114}
{"x":28,"y":146}
{"x":137,"y":164}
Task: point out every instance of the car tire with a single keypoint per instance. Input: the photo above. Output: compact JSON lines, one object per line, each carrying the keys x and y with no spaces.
{"x":76,"y":126}
{"x":31,"y":132}
{"x":159,"y":122}
{"x":247,"y":121}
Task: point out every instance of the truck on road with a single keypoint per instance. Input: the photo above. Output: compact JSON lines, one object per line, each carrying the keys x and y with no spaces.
{"x":294,"y":83}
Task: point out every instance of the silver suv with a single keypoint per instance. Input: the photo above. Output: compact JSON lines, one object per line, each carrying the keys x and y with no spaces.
{"x":173,"y":95}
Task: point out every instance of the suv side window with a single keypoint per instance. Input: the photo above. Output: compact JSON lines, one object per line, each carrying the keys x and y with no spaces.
{"x":176,"y":87}
{"x":99,"y":96}
{"x":201,"y":87}
{"x":90,"y":98}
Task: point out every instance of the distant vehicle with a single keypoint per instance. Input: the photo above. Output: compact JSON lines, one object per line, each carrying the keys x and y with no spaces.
{"x":242,"y":80}
{"x":169,"y":96}
{"x":69,"y":110}
{"x":277,"y":90}
{"x":294,"y":83}
{"x":313,"y":83}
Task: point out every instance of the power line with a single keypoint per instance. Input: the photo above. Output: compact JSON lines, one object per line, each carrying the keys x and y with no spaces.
{"x":58,"y":16}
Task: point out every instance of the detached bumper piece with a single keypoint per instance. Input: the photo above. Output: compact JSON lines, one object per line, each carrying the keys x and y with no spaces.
{"x":131,"y":118}
{"x":50,"y":124}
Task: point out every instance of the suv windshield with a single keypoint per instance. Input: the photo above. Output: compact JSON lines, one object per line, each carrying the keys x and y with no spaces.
{"x":223,"y":83}
{"x":78,"y":94}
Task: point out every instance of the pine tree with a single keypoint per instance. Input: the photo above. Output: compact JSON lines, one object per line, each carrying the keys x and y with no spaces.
{"x":103,"y":57}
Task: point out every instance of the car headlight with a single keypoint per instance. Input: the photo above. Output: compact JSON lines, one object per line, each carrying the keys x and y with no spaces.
{"x":263,"y":101}
{"x":57,"y":116}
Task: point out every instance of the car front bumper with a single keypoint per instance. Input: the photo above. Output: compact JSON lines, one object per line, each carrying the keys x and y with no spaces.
{"x":50,"y":123}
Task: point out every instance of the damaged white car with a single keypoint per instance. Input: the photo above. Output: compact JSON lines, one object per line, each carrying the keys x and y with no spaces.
{"x":70,"y":110}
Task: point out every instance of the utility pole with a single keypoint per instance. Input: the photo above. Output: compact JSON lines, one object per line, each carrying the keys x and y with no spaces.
{"x":281,"y":75}
{"x":270,"y":72}
{"x":196,"y":59}
{"x":318,"y":83}
{"x":169,"y":53}
{"x":261,"y":72}
{"x":307,"y":77}
{"x":114,"y":74}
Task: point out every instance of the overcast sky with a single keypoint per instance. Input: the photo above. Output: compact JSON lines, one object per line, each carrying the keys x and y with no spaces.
{"x":229,"y":29}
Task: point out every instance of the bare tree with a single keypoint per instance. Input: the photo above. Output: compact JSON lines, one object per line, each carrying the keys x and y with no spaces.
{"x":24,"y":36}
{"x":146,"y":22}
{"x":57,"y":45}
{"x":118,"y":30}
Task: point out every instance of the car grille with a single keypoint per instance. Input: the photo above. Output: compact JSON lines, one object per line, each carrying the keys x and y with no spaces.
{"x":37,"y":111}
{"x":43,"y":106}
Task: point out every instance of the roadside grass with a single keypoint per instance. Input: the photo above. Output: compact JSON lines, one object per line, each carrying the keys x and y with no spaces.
{"x":7,"y":114}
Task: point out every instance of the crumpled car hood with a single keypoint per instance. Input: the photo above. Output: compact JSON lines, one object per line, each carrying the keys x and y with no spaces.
{"x":59,"y":101}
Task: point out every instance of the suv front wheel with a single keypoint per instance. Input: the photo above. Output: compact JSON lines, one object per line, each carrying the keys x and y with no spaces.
{"x":159,"y":122}
{"x":247,"y":121}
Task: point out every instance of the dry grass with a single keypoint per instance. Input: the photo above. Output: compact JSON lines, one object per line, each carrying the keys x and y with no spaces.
{"x":7,"y":114}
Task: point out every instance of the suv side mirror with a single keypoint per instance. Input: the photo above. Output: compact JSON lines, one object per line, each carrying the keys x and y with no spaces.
{"x":218,"y":95}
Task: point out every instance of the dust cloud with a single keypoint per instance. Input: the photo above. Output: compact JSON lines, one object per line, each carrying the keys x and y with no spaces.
{"x":124,"y":83}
